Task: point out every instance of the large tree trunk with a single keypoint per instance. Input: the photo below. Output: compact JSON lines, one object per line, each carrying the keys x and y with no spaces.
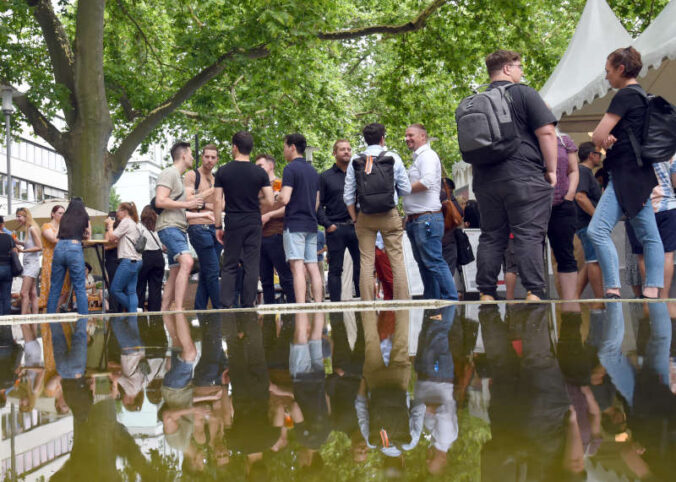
{"x":89,"y":172}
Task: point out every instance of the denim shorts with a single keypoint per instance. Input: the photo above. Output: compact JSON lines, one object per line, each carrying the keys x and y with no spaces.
{"x":300,"y":246}
{"x":306,"y":358}
{"x":587,"y":246}
{"x":176,"y":242}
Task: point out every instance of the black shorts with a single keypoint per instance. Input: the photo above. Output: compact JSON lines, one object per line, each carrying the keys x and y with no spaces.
{"x":666,"y":225}
{"x":561,"y":231}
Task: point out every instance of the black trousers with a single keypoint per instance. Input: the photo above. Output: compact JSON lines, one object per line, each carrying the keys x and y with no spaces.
{"x":273,"y":258}
{"x":151,"y":276}
{"x":111,"y":267}
{"x":241,"y":243}
{"x":522,"y":207}
{"x":336,"y":242}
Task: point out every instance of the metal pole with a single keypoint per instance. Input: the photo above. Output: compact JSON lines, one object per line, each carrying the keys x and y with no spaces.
{"x":9,"y":164}
{"x":197,"y":151}
{"x":12,"y":416}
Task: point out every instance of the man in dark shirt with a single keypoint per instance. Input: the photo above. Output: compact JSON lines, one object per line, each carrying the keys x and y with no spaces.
{"x":239,"y":183}
{"x":333,"y":215}
{"x":515,"y":195}
{"x":272,"y":248}
{"x":300,"y":195}
{"x":586,"y":198}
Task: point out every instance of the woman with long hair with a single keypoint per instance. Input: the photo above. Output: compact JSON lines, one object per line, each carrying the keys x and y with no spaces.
{"x":152,"y":271}
{"x":30,"y":247}
{"x":69,"y":257}
{"x":123,"y":286}
{"x":49,"y":240}
{"x":630,"y":185}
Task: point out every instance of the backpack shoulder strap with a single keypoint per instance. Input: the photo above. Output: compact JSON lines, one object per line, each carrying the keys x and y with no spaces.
{"x":198,"y":179}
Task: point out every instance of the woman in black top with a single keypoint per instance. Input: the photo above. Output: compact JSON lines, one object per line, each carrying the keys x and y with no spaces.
{"x":628,"y":192}
{"x":68,"y":255}
{"x":152,"y":271}
{"x":7,"y":245}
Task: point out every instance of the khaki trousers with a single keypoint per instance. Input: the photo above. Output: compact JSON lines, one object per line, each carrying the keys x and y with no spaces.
{"x":390,"y":227}
{"x":398,"y":372}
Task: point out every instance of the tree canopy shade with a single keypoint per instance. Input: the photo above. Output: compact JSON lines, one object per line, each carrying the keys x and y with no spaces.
{"x":120,"y":72}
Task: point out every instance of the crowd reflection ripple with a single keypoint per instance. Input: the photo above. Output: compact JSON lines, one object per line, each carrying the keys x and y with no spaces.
{"x":495,"y":392}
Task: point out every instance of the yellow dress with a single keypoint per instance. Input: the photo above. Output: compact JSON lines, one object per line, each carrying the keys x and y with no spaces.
{"x":46,"y":275}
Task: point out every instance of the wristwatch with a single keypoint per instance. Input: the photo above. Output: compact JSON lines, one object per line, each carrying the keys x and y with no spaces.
{"x":218,"y":228}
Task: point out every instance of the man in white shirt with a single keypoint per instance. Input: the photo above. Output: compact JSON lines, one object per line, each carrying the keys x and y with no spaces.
{"x":425,"y":222}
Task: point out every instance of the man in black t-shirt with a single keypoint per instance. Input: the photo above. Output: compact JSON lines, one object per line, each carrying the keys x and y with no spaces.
{"x":586,"y":198}
{"x":515,"y":194}
{"x":238,"y":184}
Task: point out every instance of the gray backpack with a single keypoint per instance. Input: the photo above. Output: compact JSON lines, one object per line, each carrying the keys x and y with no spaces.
{"x":486,"y":131}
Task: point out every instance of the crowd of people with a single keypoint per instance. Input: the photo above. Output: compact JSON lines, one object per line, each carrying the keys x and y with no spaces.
{"x":244,"y":224}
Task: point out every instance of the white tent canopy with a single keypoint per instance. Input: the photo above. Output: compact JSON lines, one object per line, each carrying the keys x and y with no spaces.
{"x":579,"y":102}
{"x":579,"y":76}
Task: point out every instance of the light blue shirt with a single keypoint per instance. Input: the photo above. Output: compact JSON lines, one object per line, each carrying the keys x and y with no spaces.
{"x":402,"y":185}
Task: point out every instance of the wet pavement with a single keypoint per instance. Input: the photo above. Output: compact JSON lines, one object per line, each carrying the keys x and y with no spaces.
{"x":500,"y":392}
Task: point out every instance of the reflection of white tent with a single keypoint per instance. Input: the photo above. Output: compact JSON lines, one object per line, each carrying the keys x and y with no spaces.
{"x":580,"y":101}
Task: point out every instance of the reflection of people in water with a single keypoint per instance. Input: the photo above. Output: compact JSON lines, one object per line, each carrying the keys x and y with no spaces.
{"x":134,"y":373}
{"x":99,"y":440}
{"x":347,"y":333}
{"x":283,"y":411}
{"x":650,"y":404}
{"x":533,"y":427}
{"x":211,"y":393}
{"x":251,"y":433}
{"x":387,"y":419}
{"x":10,"y":358}
{"x":434,"y":387}
{"x":306,"y":366}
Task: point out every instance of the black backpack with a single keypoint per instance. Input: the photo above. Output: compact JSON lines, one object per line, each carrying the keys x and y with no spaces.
{"x":659,"y":131}
{"x":375,"y":182}
{"x":486,"y":130}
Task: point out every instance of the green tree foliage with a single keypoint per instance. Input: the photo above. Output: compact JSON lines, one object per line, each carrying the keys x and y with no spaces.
{"x":102,"y":78}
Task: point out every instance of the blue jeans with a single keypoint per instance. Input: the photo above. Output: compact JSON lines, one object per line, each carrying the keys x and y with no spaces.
{"x":425,"y":233}
{"x":68,"y":256}
{"x":123,"y":286}
{"x":127,"y":333}
{"x":70,"y":363}
{"x":434,"y":360}
{"x":5,"y":289}
{"x":608,"y":213}
{"x":208,"y":249}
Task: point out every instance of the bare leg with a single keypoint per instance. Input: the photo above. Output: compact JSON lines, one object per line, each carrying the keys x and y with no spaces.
{"x":169,"y":288}
{"x":316,"y":282}
{"x":510,"y":284}
{"x":582,"y":280}
{"x":298,"y":272}
{"x":185,"y":265}
{"x":26,"y":285}
{"x":568,"y":285}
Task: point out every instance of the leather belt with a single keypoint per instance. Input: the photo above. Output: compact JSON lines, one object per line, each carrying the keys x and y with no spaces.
{"x":413,"y":217}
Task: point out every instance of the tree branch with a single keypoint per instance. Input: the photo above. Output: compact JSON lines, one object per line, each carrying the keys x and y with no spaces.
{"x":411,"y":26}
{"x":194,"y":17}
{"x":60,"y":51}
{"x":157,"y":115}
{"x":42,"y":126}
{"x":130,"y":113}
{"x":151,"y":47}
{"x":233,"y":94}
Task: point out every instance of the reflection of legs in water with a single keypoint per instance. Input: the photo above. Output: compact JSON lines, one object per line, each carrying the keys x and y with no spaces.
{"x":397,"y":372}
{"x":659,"y":343}
{"x":179,"y":331}
{"x":70,"y":363}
